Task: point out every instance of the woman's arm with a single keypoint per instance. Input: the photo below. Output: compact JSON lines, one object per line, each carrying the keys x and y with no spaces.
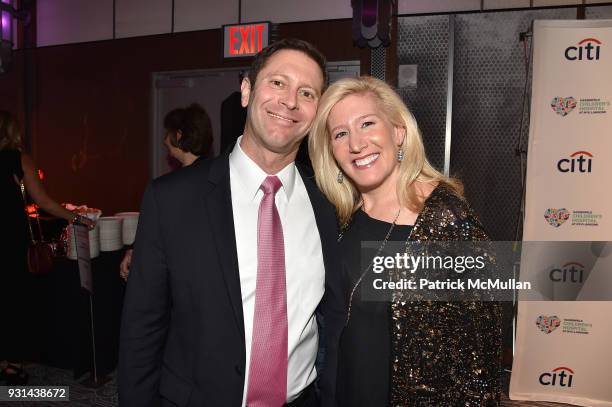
{"x":36,"y":190}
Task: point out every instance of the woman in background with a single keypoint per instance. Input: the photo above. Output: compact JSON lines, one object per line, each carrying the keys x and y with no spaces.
{"x":15,"y":167}
{"x":370,"y":162}
{"x":188,"y":138}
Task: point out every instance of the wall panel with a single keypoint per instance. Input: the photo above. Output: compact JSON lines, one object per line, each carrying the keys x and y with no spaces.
{"x":191,"y":15}
{"x":282,"y":11}
{"x":11,"y":87}
{"x":599,"y":12}
{"x":142,"y":17}
{"x":547,"y":3}
{"x":437,"y":6}
{"x":499,"y":4}
{"x":70,"y":21}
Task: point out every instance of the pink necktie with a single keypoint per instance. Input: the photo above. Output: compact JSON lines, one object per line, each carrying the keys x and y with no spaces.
{"x":268,"y":371}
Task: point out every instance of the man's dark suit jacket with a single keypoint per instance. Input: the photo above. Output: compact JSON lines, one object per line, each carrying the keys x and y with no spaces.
{"x":182,"y":331}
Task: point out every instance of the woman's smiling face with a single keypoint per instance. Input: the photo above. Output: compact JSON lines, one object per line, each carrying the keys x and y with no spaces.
{"x":364,"y":142}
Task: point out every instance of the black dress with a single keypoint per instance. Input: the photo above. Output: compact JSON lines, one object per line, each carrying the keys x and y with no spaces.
{"x":365,"y":380}
{"x":14,"y":279}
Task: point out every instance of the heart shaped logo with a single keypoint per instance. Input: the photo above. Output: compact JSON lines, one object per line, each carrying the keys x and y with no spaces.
{"x":563,"y":106}
{"x":547,"y":324}
{"x":556,"y":217}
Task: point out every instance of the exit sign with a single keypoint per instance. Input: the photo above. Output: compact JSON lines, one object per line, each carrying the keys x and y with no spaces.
{"x":245,"y":40}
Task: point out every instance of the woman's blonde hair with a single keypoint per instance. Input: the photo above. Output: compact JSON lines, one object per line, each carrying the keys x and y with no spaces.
{"x":10,"y":136}
{"x":414,"y":167}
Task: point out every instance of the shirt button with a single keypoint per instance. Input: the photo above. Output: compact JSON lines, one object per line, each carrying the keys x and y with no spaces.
{"x":238,"y":370}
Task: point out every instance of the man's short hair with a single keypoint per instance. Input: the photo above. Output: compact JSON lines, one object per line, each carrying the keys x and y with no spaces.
{"x":196,"y":129}
{"x":287,"y":43}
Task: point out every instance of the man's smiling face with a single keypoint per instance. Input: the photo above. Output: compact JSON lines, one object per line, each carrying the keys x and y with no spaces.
{"x":283,"y":103}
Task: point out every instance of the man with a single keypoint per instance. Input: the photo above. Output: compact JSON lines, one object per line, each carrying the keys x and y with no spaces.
{"x":231,"y":257}
{"x":233,"y":117}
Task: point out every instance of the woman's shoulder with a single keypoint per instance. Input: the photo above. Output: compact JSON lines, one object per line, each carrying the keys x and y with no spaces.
{"x":444,"y":197}
{"x":447,"y":212}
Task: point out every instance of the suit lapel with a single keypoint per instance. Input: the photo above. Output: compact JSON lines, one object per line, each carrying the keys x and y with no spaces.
{"x":218,"y":202}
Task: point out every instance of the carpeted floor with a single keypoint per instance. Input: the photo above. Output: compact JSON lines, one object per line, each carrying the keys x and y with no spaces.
{"x":106,"y":395}
{"x":80,"y":395}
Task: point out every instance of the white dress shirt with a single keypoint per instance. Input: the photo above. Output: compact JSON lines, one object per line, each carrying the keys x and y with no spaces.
{"x":305,"y":272}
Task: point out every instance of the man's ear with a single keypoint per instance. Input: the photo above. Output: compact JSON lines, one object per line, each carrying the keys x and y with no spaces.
{"x":245,"y":90}
{"x":179,"y":135}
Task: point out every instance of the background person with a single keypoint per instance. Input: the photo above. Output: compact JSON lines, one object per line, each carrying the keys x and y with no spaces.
{"x":16,"y":339}
{"x":370,"y":162}
{"x":188,"y":138}
{"x":233,"y":117}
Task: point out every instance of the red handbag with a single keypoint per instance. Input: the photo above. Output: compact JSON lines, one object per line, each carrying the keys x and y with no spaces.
{"x":40,"y":258}
{"x":40,"y":254}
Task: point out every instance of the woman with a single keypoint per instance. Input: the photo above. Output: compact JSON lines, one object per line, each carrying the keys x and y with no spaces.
{"x":370,"y":162}
{"x":188,"y":138}
{"x":17,"y":166}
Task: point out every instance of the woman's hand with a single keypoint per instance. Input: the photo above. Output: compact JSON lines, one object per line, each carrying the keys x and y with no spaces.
{"x":84,"y":220}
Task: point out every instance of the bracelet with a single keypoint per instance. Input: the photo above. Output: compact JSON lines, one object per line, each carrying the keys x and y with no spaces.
{"x":77,"y":218}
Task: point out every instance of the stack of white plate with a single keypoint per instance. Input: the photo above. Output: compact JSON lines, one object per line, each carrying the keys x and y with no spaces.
{"x":130,"y":222}
{"x":94,"y":243}
{"x":110,"y":233}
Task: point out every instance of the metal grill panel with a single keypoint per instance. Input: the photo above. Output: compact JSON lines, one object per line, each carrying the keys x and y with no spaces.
{"x":378,"y":65}
{"x":423,"y":41}
{"x":598,"y":13}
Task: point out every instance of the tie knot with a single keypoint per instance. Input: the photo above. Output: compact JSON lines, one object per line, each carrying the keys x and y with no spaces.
{"x":271,"y":184}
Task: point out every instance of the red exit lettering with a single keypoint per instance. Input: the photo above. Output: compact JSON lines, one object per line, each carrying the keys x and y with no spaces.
{"x":244,"y":40}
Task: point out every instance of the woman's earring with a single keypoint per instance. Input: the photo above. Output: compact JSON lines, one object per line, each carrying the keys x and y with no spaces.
{"x":400,"y":154}
{"x":400,"y":150}
{"x":340,"y":177}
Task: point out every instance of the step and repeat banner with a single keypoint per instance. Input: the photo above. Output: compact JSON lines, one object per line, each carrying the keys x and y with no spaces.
{"x":564,"y":333}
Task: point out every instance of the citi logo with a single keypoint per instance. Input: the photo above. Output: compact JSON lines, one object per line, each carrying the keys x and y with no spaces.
{"x":580,"y":161}
{"x":561,"y":376}
{"x":570,"y":272}
{"x":586,"y":49}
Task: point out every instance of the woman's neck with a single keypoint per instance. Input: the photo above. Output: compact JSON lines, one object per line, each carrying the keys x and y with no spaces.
{"x":384,"y":204}
{"x":381,"y":205}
